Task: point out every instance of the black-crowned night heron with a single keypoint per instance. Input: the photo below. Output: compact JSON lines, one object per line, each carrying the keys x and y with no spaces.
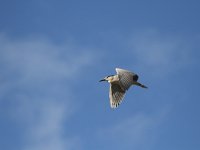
{"x":119,"y":84}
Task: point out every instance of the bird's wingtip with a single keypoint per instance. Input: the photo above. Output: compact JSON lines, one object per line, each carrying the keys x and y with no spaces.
{"x":117,"y":69}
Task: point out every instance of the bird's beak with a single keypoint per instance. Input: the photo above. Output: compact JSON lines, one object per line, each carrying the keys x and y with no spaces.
{"x":102,"y":80}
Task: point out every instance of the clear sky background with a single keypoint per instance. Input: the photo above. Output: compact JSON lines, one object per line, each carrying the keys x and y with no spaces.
{"x":53,"y":53}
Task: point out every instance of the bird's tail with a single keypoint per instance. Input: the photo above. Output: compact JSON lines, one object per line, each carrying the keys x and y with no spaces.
{"x":141,"y":85}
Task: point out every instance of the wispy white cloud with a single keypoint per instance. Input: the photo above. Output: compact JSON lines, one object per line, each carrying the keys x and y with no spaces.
{"x":139,"y":131}
{"x":36,"y":75}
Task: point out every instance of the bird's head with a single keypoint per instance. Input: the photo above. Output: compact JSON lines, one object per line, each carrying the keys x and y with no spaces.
{"x":107,"y":78}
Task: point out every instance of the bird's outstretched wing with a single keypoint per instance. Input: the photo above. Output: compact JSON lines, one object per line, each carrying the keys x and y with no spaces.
{"x":116,"y":95}
{"x":126,"y":78}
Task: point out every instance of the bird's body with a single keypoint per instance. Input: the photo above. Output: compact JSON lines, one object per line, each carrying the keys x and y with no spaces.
{"x":119,"y":84}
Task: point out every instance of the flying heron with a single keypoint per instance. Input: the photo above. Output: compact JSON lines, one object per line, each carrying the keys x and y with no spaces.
{"x":119,"y":84}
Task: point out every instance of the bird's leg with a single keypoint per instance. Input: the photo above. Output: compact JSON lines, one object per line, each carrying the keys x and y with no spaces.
{"x":139,"y":84}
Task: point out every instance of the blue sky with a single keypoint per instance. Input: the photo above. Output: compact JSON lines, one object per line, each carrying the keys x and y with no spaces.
{"x":53,"y":53}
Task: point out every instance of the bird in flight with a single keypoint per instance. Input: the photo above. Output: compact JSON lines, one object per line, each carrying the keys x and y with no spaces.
{"x":119,"y":84}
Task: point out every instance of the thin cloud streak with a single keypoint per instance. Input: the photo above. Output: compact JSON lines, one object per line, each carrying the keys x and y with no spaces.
{"x":161,"y":54}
